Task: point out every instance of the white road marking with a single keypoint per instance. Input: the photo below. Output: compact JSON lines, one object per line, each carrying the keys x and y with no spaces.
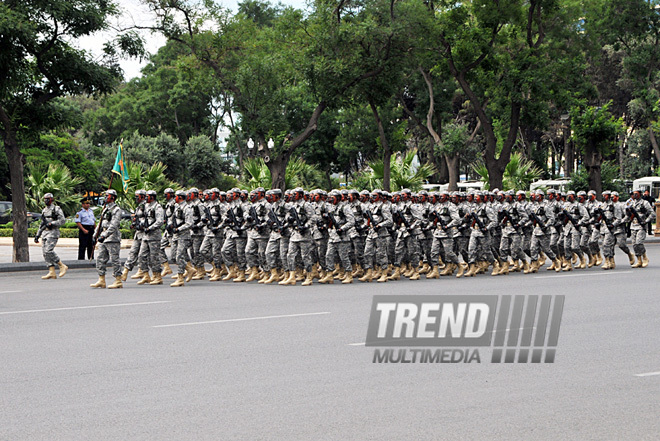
{"x":584,"y":275}
{"x":241,"y":319}
{"x":84,"y":307}
{"x":648,"y":374}
{"x":8,"y":292}
{"x":357,"y":344}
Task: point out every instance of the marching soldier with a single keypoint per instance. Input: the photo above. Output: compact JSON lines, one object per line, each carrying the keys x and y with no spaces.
{"x":640,"y":213}
{"x":180,"y":224}
{"x":233,"y":250}
{"x":109,"y":242}
{"x":340,"y":222}
{"x":52,"y":218}
{"x":150,"y":255}
{"x":136,"y":224}
{"x":379,"y":220}
{"x":543,"y":218}
{"x":167,"y":237}
{"x":200,"y":219}
{"x":276,"y":215}
{"x":301,"y":217}
{"x":445,"y":226}
{"x":211,"y":247}
{"x":483,"y":220}
{"x":258,"y":233}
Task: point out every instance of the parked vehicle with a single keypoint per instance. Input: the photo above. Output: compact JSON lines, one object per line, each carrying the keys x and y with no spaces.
{"x":5,"y":213}
{"x":650,"y":183}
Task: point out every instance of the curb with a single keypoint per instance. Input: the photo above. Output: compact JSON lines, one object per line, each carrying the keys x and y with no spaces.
{"x":39,"y":266}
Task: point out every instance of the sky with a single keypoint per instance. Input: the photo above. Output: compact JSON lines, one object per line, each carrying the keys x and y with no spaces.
{"x":136,"y":13}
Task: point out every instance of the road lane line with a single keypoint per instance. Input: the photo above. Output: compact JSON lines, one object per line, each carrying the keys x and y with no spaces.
{"x":648,"y":374}
{"x":114,"y":305}
{"x":8,"y":292}
{"x":240,"y":319}
{"x":357,"y":344}
{"x":584,"y":275}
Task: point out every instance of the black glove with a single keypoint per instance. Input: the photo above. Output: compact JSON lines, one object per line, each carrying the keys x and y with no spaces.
{"x":101,"y":239}
{"x":36,"y":240}
{"x":50,"y":225}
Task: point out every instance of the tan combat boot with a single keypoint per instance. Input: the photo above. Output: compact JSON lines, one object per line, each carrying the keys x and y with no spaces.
{"x":583,"y":261}
{"x":414,"y":275}
{"x":396,"y":275}
{"x":63,"y":269}
{"x":340,"y":274}
{"x":383,"y":277}
{"x":426,"y":268}
{"x":145,"y":278}
{"x":199,"y":273}
{"x":434,"y":274}
{"x":231,"y":274}
{"x":51,"y":274}
{"x":645,"y":261}
{"x":368,"y":276}
{"x":116,"y":284}
{"x":348,"y":279}
{"x":568,"y":265}
{"x":496,"y":269}
{"x":592,"y":261}
{"x":272,"y":277}
{"x":360,"y":271}
{"x":461,"y":269}
{"x":557,"y":264}
{"x":253,"y":272}
{"x":472,"y":271}
{"x":574,"y":259}
{"x":124,"y":274}
{"x":638,"y":264}
{"x":552,"y":266}
{"x":241,"y":277}
{"x":289,"y":275}
{"x":179,"y":281}
{"x":612,"y":263}
{"x":606,"y":265}
{"x":329,"y":279}
{"x":309,"y":280}
{"x":99,"y":283}
{"x":504,"y":268}
{"x":631,"y":259}
{"x":515,"y":267}
{"x":599,"y":259}
{"x":156,"y":280}
{"x":408,"y":270}
{"x":138,"y":275}
{"x":299,"y":274}
{"x":166,"y":269}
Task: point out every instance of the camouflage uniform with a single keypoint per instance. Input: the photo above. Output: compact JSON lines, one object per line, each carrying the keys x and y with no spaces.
{"x":181,"y":223}
{"x":109,"y":240}
{"x":339,"y":242}
{"x":301,"y":242}
{"x":138,"y":221}
{"x":52,"y":218}
{"x":150,"y":256}
{"x":378,"y":236}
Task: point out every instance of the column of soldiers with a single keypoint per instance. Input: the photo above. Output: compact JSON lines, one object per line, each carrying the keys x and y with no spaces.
{"x":298,"y":236}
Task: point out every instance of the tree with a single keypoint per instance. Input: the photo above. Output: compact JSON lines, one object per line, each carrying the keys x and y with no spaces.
{"x":595,"y":133}
{"x":38,"y":65}
{"x":55,"y":179}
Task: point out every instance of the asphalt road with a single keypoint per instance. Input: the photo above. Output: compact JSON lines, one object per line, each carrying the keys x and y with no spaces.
{"x":158,"y":363}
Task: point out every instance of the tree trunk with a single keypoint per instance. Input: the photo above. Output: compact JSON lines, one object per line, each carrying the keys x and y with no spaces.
{"x":592,"y":160}
{"x":277,"y":167}
{"x":654,"y":143}
{"x":443,"y":175}
{"x":21,"y":251}
{"x":386,"y":147}
{"x":569,"y":155}
{"x":454,"y":172}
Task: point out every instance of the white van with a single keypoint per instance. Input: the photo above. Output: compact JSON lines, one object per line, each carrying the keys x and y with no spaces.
{"x":650,"y":183}
{"x":557,"y":184}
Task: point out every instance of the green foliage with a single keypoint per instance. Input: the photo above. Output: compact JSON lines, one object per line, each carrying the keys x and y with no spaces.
{"x":142,"y":177}
{"x":55,"y":179}
{"x":595,"y":129}
{"x":610,"y":176}
{"x":403,"y":173}
{"x":298,"y":174}
{"x":518,"y":175}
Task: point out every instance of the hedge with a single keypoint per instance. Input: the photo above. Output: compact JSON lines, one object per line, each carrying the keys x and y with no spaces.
{"x":64,"y":233}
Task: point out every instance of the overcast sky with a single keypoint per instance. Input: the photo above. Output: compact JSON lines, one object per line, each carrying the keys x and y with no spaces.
{"x":135,"y":13}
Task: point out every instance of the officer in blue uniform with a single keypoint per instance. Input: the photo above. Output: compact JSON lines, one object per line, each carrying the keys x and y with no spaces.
{"x":86,"y":223}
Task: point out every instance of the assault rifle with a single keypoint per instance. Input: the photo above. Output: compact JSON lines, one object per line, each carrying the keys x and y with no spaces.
{"x":437,"y":220}
{"x":537,"y":220}
{"x":601,"y":216}
{"x":275,"y":221}
{"x":298,"y":223}
{"x":476,"y":220}
{"x":370,"y":219}
{"x":399,"y":218}
{"x":569,"y":217}
{"x":506,"y":216}
{"x":633,"y":214}
{"x":234,"y":223}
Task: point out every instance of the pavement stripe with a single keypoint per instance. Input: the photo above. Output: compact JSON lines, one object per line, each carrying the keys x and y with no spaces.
{"x":609,"y":273}
{"x":84,"y":307}
{"x":357,"y":344}
{"x":240,"y":319}
{"x":8,"y":292}
{"x":648,"y":374}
